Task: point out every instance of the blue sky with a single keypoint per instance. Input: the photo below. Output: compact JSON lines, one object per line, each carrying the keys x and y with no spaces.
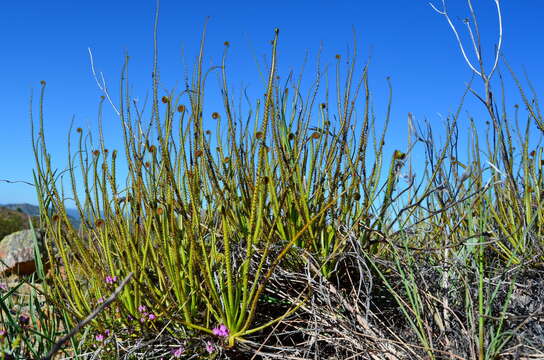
{"x":407,"y":40}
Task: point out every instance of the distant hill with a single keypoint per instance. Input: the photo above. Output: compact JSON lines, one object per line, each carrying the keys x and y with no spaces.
{"x":13,"y":220}
{"x":33,"y":210}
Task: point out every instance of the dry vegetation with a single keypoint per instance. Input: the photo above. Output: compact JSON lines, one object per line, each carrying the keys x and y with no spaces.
{"x":315,"y":248}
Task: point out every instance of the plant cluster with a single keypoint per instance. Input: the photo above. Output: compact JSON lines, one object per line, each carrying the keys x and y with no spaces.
{"x":296,"y":236}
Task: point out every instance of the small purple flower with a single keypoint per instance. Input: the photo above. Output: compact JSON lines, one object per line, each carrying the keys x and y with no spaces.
{"x":111,"y":279}
{"x":100,"y":300}
{"x":178,"y":352}
{"x":24,"y":320}
{"x":222,"y":331}
{"x":152,"y":317}
{"x":3,"y":287}
{"x":2,"y":333}
{"x":141,"y":308}
{"x":107,"y":332}
{"x":99,"y":337}
{"x":210,"y":348}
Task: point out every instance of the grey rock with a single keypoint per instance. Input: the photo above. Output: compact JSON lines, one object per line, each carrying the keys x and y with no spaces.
{"x":17,"y":252}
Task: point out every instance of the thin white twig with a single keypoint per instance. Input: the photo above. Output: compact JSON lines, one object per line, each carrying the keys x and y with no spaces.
{"x":102,"y":86}
{"x":445,"y":14}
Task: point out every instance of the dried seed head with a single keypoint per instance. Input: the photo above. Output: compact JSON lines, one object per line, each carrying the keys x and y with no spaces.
{"x":516,"y":106}
{"x":42,"y":82}
{"x":99,"y":223}
{"x":533,"y":153}
{"x":208,"y":132}
{"x":181,"y":108}
{"x":226,"y":43}
{"x":79,"y":130}
{"x":291,"y":136}
{"x":215,"y":115}
{"x":337,"y":56}
{"x":160,"y":211}
{"x":152,"y":148}
{"x":259,"y":134}
{"x":327,"y":123}
{"x":106,"y":151}
{"x":104,"y":166}
{"x":399,"y":155}
{"x":323,"y":105}
{"x":102,"y":97}
{"x":265,"y":180}
{"x":55,"y":218}
{"x":147,"y":164}
{"x":114,"y":154}
{"x":96,"y":153}
{"x":198,"y":153}
{"x":165,"y":99}
{"x":226,"y":160}
{"x":356,"y":196}
{"x":316,"y":135}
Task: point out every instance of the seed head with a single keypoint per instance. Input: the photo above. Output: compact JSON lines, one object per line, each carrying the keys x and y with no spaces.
{"x":291,"y":136}
{"x":208,"y":132}
{"x":160,"y":211}
{"x":99,"y":223}
{"x":165,"y":99}
{"x":316,"y":135}
{"x":337,"y":56}
{"x":356,"y":196}
{"x":152,"y":148}
{"x":147,"y":164}
{"x":181,"y":108}
{"x":215,"y":115}
{"x":79,"y":130}
{"x":42,"y":82}
{"x":259,"y":134}
{"x":226,"y":43}
{"x":96,"y":153}
{"x":198,"y":153}
{"x":323,"y":105}
{"x":399,"y":155}
{"x":226,"y":160}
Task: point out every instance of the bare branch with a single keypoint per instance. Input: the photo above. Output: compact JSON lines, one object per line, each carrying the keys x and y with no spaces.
{"x":444,"y":13}
{"x":102,"y":86}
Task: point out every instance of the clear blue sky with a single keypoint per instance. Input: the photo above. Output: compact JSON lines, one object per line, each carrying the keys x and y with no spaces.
{"x":407,"y":40}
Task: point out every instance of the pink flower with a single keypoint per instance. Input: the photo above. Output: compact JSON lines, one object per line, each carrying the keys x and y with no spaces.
{"x":152,"y":317}
{"x":99,"y":337}
{"x":209,"y":347}
{"x":111,"y":279}
{"x":100,"y":300}
{"x":141,"y":308}
{"x":177,"y":352}
{"x":222,"y":331}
